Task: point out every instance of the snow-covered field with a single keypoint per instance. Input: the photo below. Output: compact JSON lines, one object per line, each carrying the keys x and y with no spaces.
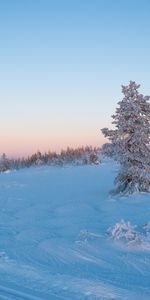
{"x":54,"y":240}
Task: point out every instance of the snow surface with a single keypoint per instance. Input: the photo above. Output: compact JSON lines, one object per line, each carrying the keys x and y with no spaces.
{"x":54,"y":241}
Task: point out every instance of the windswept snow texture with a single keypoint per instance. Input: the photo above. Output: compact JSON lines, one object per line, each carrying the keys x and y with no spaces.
{"x":53,"y":236}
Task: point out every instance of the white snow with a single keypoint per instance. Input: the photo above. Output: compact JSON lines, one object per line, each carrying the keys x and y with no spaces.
{"x":54,"y":241}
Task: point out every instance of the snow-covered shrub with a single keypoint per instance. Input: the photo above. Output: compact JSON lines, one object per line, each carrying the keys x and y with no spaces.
{"x":125,"y":232}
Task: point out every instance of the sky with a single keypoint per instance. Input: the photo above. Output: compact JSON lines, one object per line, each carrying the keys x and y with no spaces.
{"x":62,"y":63}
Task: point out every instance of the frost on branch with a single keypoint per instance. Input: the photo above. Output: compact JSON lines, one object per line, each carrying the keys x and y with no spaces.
{"x":130,"y":141}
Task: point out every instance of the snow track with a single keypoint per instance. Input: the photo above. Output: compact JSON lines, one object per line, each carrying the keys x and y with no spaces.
{"x":8,"y":293}
{"x":12,"y":294}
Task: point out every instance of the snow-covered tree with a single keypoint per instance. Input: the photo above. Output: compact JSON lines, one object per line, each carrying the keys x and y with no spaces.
{"x":4,"y":163}
{"x":130,"y":141}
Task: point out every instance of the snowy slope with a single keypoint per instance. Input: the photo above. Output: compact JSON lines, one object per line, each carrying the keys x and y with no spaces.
{"x":53,"y":236}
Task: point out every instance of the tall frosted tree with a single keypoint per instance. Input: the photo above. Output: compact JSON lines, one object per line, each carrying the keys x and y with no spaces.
{"x":130,"y":141}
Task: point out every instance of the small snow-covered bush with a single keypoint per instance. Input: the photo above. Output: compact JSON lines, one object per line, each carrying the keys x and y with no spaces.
{"x":125,"y":232}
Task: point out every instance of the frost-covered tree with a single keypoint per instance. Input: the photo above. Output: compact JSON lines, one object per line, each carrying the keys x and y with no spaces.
{"x":130,"y":141}
{"x":4,"y":163}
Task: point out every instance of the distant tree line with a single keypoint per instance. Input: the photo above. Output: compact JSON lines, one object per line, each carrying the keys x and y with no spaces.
{"x":79,"y":156}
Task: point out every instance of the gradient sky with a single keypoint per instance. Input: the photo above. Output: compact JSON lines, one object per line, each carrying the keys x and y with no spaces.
{"x":61,"y":66}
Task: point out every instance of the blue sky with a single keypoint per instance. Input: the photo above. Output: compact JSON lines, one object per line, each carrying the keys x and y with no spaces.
{"x":62,"y":64}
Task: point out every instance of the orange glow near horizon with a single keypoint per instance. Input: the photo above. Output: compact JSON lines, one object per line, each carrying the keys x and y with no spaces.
{"x":24,"y":146}
{"x":25,"y":136}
